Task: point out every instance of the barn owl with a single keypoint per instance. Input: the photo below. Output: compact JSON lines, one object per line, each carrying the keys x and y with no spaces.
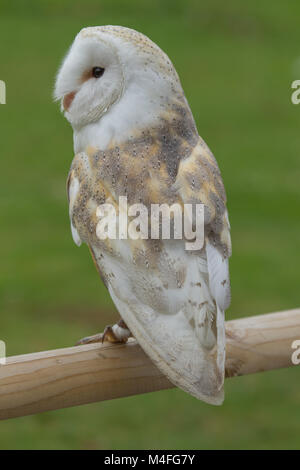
{"x":135,"y":136}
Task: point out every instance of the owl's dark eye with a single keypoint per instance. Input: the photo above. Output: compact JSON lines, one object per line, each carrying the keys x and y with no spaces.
{"x":98,"y":72}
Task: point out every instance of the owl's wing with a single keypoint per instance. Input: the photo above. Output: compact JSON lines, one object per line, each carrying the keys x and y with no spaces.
{"x":170,"y":298}
{"x":199,"y":181}
{"x":174,"y":301}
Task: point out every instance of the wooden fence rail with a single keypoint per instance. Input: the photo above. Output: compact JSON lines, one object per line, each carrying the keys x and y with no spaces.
{"x":49,"y":380}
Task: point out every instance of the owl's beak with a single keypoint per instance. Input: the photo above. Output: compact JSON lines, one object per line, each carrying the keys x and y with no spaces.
{"x":68,"y":100}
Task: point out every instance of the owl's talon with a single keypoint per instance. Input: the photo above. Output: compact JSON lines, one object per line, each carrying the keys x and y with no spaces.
{"x":110,"y":336}
{"x":118,"y":333}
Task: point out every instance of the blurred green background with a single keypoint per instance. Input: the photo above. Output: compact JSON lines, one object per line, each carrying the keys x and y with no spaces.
{"x":236,"y":61}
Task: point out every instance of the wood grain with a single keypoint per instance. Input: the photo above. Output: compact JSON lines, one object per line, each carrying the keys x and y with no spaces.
{"x":49,"y":380}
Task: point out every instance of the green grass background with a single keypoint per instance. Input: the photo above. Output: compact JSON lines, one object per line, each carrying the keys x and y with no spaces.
{"x":236,"y":61}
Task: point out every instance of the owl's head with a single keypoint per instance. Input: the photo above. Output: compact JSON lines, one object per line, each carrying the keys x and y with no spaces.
{"x":114,"y":69}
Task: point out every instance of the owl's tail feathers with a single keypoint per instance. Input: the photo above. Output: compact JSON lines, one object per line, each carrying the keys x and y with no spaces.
{"x":209,"y":387}
{"x":210,"y":330}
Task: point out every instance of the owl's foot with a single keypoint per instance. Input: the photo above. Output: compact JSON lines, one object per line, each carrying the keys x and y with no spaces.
{"x":118,"y":333}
